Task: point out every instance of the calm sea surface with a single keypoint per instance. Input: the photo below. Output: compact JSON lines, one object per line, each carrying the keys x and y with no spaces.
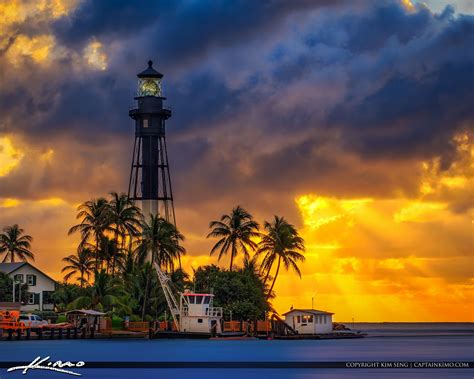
{"x":386,"y":342}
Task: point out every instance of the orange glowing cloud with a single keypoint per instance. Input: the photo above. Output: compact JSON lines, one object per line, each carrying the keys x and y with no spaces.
{"x":378,"y":266}
{"x":10,"y":156}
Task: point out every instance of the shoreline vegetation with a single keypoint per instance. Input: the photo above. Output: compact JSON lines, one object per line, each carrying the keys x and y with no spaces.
{"x":112,"y":269}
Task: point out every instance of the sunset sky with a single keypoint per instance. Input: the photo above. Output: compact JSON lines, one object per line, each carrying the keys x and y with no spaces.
{"x":353,"y":119}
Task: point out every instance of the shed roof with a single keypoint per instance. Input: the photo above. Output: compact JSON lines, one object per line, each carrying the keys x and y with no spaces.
{"x":310,"y":311}
{"x":88,"y":312}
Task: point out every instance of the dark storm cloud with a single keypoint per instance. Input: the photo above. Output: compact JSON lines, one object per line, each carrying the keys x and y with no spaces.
{"x":382,"y":82}
{"x":412,"y":117}
{"x":110,"y":19}
{"x":179,"y":29}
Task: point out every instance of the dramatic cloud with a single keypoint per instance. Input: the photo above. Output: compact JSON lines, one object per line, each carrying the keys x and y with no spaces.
{"x":352,"y":119}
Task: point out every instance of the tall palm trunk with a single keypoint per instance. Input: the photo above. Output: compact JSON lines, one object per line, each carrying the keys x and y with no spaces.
{"x":267,"y":275}
{"x":145,"y":296}
{"x":97,"y":242}
{"x":114,"y":258}
{"x":275,"y":278}
{"x":233,"y":253}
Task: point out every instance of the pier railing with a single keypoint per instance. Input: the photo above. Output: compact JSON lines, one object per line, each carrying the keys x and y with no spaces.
{"x":138,"y":326}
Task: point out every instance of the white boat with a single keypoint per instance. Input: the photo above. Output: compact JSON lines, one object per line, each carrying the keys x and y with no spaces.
{"x":195,"y":312}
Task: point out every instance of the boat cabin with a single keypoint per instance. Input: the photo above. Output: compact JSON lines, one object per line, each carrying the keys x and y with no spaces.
{"x":309,"y":321}
{"x":197,"y":313}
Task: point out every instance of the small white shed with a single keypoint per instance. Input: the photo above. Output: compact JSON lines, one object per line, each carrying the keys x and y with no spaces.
{"x":309,"y":321}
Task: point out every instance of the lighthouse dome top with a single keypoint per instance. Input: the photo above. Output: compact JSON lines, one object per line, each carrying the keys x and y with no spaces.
{"x":150,"y":72}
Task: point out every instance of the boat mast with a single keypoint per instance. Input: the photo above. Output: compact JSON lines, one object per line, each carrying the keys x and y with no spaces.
{"x":170,"y":299}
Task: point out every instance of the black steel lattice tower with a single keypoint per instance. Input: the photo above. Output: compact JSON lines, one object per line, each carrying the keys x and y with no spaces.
{"x":150,"y":180}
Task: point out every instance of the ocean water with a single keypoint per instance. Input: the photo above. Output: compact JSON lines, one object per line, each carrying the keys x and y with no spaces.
{"x":444,"y":342}
{"x":412,"y":328}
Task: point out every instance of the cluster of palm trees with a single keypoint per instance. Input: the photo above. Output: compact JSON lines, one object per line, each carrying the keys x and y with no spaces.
{"x":238,"y":232}
{"x":111,"y":229}
{"x":118,"y":247}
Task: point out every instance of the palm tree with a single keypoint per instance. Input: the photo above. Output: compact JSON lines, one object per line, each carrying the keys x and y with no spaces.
{"x":81,"y":263}
{"x":124,"y":219}
{"x":93,"y":215}
{"x":105,"y":293}
{"x":160,"y":243}
{"x":65,"y":294}
{"x":108,"y":251}
{"x":14,"y":244}
{"x":281,"y":243}
{"x":235,"y":231}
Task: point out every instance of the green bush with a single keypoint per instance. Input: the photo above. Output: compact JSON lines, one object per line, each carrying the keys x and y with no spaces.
{"x":117,"y":323}
{"x":61,"y":318}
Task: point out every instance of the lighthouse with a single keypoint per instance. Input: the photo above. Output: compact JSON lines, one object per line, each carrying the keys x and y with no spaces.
{"x":150,"y":179}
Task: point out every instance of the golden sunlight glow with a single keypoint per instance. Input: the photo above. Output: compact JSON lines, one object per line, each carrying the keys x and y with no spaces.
{"x":53,"y":201}
{"x":418,"y":211}
{"x":11,"y":12}
{"x":318,"y":210}
{"x":57,"y":8}
{"x":9,"y":203}
{"x":408,"y":5}
{"x":10,"y":157}
{"x":458,"y":177}
{"x":16,"y":12}
{"x":38,"y":48}
{"x":381,"y":267}
{"x":95,"y":56}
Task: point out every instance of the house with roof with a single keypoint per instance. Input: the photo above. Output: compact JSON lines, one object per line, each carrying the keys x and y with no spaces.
{"x":309,"y":321}
{"x":40,"y":285}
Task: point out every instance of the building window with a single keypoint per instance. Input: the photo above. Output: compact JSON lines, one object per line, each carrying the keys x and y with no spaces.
{"x":31,"y":280}
{"x":31,"y":298}
{"x":298,"y":319}
{"x":18,"y":278}
{"x":199,"y":320}
{"x":145,"y":123}
{"x":191,"y":299}
{"x":308,"y":318}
